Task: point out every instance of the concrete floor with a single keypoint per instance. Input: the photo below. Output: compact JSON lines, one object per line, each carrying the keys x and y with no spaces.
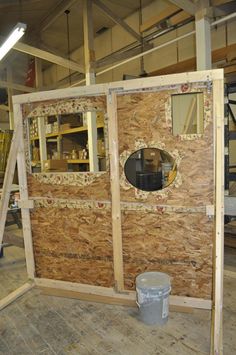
{"x":40,"y":324}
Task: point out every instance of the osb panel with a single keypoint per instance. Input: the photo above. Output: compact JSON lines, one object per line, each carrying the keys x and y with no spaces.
{"x":73,"y":245}
{"x":64,"y":106}
{"x":142,"y":117}
{"x":98,"y":189}
{"x":179,"y":244}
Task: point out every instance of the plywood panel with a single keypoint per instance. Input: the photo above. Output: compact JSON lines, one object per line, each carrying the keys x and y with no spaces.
{"x":179,"y":244}
{"x":144,"y":120}
{"x":73,"y":245}
{"x":97,"y":188}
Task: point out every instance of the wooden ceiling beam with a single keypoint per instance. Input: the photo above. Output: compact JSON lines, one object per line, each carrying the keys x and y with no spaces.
{"x":55,"y":12}
{"x":8,"y":85}
{"x":117,"y":19}
{"x":154,"y":20}
{"x":39,"y":53}
{"x":185,"y":5}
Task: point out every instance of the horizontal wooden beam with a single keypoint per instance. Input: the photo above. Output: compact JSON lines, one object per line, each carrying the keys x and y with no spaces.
{"x":186,"y":5}
{"x":117,"y":19}
{"x":179,"y":17}
{"x":55,"y":12}
{"x":9,"y":85}
{"x":4,"y":108}
{"x":15,"y":294}
{"x":109,"y":295}
{"x":39,"y":53}
{"x":154,"y":20}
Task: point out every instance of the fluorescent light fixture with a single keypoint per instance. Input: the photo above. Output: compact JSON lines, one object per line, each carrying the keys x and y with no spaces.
{"x":13,"y":37}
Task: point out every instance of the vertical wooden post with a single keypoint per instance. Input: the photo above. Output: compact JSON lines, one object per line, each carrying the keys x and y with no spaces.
{"x":203,"y":38}
{"x":21,"y":167}
{"x":115,"y":191}
{"x":217,"y":316}
{"x":42,"y":140}
{"x":89,"y":56}
{"x":38,"y":73}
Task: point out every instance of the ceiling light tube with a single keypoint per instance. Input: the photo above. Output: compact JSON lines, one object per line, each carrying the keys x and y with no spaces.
{"x":13,"y":37}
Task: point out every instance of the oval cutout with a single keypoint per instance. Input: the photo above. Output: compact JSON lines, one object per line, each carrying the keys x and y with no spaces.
{"x":150,"y":169}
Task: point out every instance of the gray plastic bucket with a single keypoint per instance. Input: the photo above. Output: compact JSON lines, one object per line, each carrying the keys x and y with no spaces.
{"x":153,"y":289}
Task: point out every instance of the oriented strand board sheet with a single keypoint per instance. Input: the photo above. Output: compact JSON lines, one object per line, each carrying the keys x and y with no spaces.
{"x":179,"y":244}
{"x":68,"y":186}
{"x":73,"y":245}
{"x":145,"y":120}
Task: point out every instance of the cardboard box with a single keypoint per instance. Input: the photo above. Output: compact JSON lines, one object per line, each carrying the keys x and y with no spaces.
{"x":55,"y":165}
{"x":65,"y":126}
{"x":101,"y":147}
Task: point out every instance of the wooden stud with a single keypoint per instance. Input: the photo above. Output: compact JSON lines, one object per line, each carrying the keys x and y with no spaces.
{"x":115,"y":191}
{"x":102,"y":294}
{"x":89,"y":55}
{"x":15,"y":294}
{"x":218,"y":114}
{"x":42,"y":140}
{"x":21,"y":166}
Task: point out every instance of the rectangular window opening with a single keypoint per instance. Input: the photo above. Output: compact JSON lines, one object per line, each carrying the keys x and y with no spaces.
{"x":60,"y":143}
{"x":187,"y":113}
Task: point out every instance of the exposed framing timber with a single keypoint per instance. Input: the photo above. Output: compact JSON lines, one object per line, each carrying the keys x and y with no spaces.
{"x":55,"y":12}
{"x":101,"y":294}
{"x":25,"y":213}
{"x":117,"y":20}
{"x":203,"y":43}
{"x":101,"y":89}
{"x":115,"y":191}
{"x":36,"y":52}
{"x":89,"y":55}
{"x":9,"y":85}
{"x":186,"y":5}
{"x":15,"y":294}
{"x":217,"y":316}
{"x":154,"y":20}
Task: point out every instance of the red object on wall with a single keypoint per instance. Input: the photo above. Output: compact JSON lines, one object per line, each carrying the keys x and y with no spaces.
{"x":30,"y":77}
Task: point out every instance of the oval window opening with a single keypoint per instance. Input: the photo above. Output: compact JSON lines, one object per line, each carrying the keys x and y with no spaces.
{"x":150,"y":169}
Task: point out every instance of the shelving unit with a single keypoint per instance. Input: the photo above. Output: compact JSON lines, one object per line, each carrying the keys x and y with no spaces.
{"x":64,"y":143}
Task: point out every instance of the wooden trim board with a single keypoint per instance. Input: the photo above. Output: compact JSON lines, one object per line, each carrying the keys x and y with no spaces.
{"x":125,"y":297}
{"x":115,"y":191}
{"x":15,"y":294}
{"x":135,"y":84}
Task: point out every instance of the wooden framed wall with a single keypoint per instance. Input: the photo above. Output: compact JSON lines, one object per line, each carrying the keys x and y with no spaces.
{"x":93,"y":233}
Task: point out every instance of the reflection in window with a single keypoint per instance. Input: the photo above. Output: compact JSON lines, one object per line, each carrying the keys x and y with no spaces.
{"x":187,"y":113}
{"x":150,"y":169}
{"x":60,"y":143}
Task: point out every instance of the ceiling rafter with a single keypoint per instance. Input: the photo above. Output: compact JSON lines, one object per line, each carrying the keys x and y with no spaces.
{"x":117,"y":19}
{"x":55,"y":12}
{"x":39,"y":53}
{"x":186,"y":5}
{"x":7,"y":84}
